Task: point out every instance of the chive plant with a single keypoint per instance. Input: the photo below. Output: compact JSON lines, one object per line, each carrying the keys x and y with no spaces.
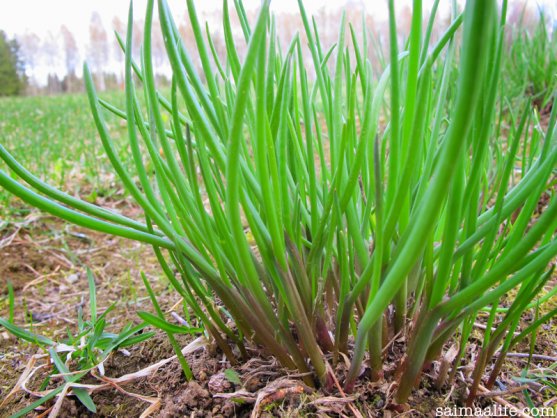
{"x":532,"y":64}
{"x":288,"y":216}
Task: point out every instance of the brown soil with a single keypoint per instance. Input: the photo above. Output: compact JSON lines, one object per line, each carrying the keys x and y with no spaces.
{"x":46,"y":261}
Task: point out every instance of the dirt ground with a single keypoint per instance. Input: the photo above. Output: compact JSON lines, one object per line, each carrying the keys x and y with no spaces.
{"x":46,"y":261}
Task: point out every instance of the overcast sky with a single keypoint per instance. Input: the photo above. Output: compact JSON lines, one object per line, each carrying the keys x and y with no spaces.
{"x":41,"y":16}
{"x":46,"y":16}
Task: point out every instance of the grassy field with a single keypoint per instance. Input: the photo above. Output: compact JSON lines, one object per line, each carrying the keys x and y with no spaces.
{"x":148,"y":343}
{"x":55,"y":138}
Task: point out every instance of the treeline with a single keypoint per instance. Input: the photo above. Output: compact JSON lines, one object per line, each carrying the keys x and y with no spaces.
{"x":12,"y":68}
{"x":52,"y":64}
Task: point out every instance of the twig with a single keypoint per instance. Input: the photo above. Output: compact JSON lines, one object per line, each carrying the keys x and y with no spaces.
{"x":534,"y":356}
{"x":503,"y":402}
{"x":482,"y":326}
{"x":41,"y":277}
{"x":179,"y":319}
{"x":5,"y":242}
{"x":342,"y":394}
{"x":391,"y":342}
{"x":21,"y":380}
{"x":494,"y":393}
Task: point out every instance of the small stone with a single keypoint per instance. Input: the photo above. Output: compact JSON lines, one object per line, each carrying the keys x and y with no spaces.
{"x":218,"y":383}
{"x":72,"y":278}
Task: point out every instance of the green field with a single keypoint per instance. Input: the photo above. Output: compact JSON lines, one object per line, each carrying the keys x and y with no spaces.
{"x":55,"y":138}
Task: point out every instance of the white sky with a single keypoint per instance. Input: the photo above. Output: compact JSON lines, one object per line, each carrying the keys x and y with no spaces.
{"x":41,"y":16}
{"x":44,"y":16}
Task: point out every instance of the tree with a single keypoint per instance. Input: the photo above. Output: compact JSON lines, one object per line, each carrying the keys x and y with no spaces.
{"x":50,"y":51}
{"x":98,"y":55}
{"x":119,"y":28}
{"x":158,"y":49}
{"x":30,"y":47}
{"x":12,"y":70}
{"x":71,"y":52}
{"x":71,"y":56}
